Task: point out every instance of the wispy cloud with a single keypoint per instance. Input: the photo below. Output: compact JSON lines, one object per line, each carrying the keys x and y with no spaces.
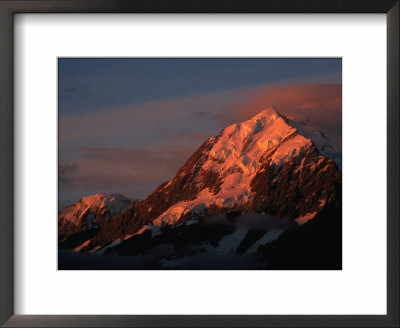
{"x":115,"y":82}
{"x":133,"y":172}
{"x":140,"y":123}
{"x":202,"y":136}
{"x":65,"y":173}
{"x":320,"y":104}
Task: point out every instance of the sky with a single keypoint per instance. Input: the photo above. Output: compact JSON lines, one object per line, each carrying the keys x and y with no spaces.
{"x":126,"y":125}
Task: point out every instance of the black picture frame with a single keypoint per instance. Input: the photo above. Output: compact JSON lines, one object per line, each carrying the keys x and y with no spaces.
{"x":10,"y":7}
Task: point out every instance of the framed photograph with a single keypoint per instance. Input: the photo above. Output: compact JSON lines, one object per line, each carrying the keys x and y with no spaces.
{"x":174,"y":164}
{"x":217,"y":177}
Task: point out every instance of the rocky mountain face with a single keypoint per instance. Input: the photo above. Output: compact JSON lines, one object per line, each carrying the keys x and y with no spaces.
{"x":277,"y":172}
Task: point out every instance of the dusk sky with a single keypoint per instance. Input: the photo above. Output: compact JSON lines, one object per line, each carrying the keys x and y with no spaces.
{"x":127,"y":125}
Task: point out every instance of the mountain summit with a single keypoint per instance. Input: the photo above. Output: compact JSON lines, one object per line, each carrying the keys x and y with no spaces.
{"x":253,"y":165}
{"x":267,"y":165}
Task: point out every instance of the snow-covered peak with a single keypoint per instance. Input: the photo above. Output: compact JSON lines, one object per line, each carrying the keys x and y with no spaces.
{"x":266,"y":114}
{"x":104,"y":200}
{"x":243,"y":144}
{"x":235,"y":157}
{"x":238,"y":154}
{"x":325,"y":146}
{"x":113,"y":204}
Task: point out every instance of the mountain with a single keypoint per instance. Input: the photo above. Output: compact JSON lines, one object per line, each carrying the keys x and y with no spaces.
{"x":89,"y":214}
{"x":254,"y":166}
{"x":273,"y":172}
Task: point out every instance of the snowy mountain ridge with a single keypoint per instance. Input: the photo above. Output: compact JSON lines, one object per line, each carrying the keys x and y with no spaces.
{"x":237,"y":154}
{"x":268,"y":165}
{"x":88,"y":211}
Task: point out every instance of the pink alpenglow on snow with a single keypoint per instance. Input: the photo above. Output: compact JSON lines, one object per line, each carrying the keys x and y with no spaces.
{"x":237,"y":156}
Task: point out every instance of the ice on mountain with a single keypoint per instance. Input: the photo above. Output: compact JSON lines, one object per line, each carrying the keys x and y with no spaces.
{"x":237,"y":155}
{"x":268,"y":237}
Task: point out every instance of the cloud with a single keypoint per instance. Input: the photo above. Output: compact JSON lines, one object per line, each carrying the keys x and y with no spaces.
{"x":144,"y":159}
{"x":65,"y":173}
{"x":133,"y":172}
{"x":320,"y":104}
{"x":66,"y":168}
{"x":120,"y":155}
{"x":201,"y":114}
{"x":295,"y":99}
{"x":202,"y":136}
